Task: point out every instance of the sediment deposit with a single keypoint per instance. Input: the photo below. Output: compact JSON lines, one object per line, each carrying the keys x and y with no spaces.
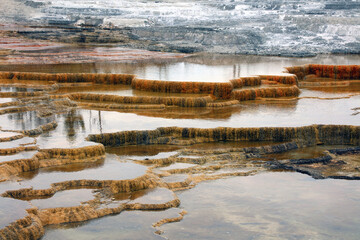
{"x":338,"y":72}
{"x":132,"y":100}
{"x":252,"y":94}
{"x":219,"y":90}
{"x":253,"y":150}
{"x":309,"y":135}
{"x":101,"y":78}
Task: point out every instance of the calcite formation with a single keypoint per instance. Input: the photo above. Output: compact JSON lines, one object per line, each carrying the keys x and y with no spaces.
{"x":252,"y":94}
{"x":340,"y":72}
{"x":309,"y":135}
{"x":333,"y":164}
{"x":219,"y":90}
{"x":167,"y":101}
{"x":216,"y":91}
{"x":102,"y":78}
{"x":187,"y":165}
{"x":246,"y":81}
{"x":29,"y":227}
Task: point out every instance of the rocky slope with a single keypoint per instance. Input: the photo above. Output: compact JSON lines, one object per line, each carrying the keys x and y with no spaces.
{"x":279,"y":27}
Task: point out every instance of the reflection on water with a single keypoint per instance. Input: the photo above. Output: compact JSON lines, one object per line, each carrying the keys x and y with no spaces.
{"x":69,"y":198}
{"x":151,"y":151}
{"x":17,"y":89}
{"x":17,"y":143}
{"x":255,"y":114}
{"x":73,"y":123}
{"x":74,"y":167}
{"x":127,"y":225}
{"x":152,"y":196}
{"x":5,"y":100}
{"x":17,"y":156}
{"x":176,"y":166}
{"x":104,"y":89}
{"x":22,"y":121}
{"x":275,"y":205}
{"x":195,"y":68}
{"x":12,"y":210}
{"x":332,"y":91}
{"x":74,"y":126}
{"x":270,"y":206}
{"x":110,"y":170}
{"x":121,"y":90}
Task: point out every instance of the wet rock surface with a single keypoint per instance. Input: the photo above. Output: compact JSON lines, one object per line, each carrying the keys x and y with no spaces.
{"x":337,"y":164}
{"x":284,"y":28}
{"x":53,"y":158}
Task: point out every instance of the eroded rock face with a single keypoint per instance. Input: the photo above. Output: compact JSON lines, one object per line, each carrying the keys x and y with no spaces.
{"x":288,"y":28}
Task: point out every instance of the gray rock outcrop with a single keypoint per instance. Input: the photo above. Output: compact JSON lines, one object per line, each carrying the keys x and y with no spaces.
{"x":278,"y":27}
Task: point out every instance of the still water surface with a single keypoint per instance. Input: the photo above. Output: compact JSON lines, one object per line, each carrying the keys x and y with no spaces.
{"x":276,"y":205}
{"x":206,"y":68}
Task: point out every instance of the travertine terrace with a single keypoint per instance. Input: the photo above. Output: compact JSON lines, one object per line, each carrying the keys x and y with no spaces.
{"x":34,"y":170}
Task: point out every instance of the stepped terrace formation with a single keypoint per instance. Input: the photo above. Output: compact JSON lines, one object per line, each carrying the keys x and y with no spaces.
{"x":69,"y":154}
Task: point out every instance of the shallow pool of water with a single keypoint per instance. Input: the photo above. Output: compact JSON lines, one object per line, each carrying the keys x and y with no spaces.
{"x":278,"y":205}
{"x":205,"y":68}
{"x":126,"y":225}
{"x":111,"y":169}
{"x":69,"y":198}
{"x":74,"y":126}
{"x":273,"y":205}
{"x":269,"y":206}
{"x":12,"y":210}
